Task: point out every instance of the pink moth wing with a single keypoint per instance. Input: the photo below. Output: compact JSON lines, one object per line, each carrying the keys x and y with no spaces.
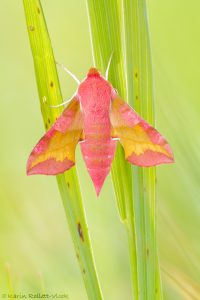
{"x":55,"y":152}
{"x":143,"y":145}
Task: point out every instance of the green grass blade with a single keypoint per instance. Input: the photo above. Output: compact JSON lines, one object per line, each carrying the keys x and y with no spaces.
{"x":139,"y":81}
{"x":105,"y":21}
{"x":121,"y":26}
{"x":106,"y":39}
{"x":50,"y":94}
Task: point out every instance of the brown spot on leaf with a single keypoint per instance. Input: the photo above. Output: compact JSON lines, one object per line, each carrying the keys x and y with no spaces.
{"x":31,"y":27}
{"x":68,"y":185}
{"x":38,"y":10}
{"x":80,"y":232}
{"x":49,"y":121}
{"x":136,"y":75}
{"x":84,"y":271}
{"x":51,"y":84}
{"x":46,"y":125}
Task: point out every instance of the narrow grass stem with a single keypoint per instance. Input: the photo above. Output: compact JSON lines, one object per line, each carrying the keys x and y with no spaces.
{"x":139,"y":82}
{"x":50,"y":95}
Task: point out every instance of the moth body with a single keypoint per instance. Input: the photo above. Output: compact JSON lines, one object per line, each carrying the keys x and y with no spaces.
{"x":98,"y":147}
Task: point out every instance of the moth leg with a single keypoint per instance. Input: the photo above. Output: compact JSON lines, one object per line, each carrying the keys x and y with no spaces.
{"x":70,"y":73}
{"x":109,"y":63}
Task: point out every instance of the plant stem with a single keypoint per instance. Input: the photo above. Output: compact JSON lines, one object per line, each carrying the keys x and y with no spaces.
{"x":50,"y":94}
{"x":121,"y":26}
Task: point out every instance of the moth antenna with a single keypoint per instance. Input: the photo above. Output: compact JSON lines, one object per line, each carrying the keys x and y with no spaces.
{"x":62,"y":104}
{"x":70,"y":73}
{"x":108,"y":67}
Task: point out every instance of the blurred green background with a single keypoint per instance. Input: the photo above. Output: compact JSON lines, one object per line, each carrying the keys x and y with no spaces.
{"x":36,"y":253}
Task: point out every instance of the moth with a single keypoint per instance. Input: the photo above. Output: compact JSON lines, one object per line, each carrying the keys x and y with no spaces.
{"x":96,"y":118}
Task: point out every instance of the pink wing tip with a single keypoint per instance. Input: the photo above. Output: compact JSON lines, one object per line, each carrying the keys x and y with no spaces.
{"x":49,"y":167}
{"x":150,"y":158}
{"x":28,"y":167}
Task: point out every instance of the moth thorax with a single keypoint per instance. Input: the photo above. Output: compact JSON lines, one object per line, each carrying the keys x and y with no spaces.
{"x":93,"y":72}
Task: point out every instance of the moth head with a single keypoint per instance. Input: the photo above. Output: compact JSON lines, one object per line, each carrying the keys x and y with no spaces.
{"x":93,"y":72}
